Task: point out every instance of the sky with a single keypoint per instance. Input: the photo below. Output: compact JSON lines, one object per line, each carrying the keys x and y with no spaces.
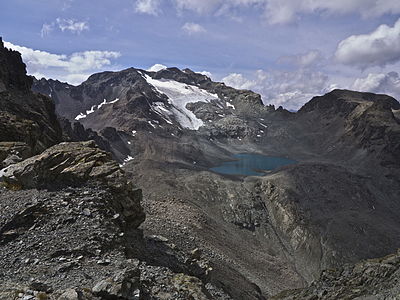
{"x":286,"y":50}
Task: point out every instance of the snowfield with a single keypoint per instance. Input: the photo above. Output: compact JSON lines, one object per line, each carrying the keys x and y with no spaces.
{"x":179,"y":95}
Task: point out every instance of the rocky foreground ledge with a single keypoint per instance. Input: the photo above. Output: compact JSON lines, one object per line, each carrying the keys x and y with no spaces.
{"x":75,"y":164}
{"x":69,"y":231}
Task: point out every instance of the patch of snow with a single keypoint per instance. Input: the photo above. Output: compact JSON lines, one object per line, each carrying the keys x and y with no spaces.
{"x":229,"y":105}
{"x":159,"y":108}
{"x":115,"y":100}
{"x":152,"y":125}
{"x":179,"y":95}
{"x":263,"y":125}
{"x":80,"y":116}
{"x":102,"y":103}
{"x":128,"y":158}
{"x":94,"y":108}
{"x":88,"y":112}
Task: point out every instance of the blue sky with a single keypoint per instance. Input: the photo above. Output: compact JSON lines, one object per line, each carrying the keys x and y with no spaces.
{"x":287,"y":50}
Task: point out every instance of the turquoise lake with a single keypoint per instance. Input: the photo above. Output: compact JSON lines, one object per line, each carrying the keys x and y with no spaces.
{"x":251,"y":164}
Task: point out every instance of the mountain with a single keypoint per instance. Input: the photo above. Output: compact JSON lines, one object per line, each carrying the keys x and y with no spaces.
{"x":268,"y":233}
{"x":70,"y":215}
{"x":144,"y":217}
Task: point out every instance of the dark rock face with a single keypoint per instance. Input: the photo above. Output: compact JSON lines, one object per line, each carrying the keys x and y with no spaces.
{"x":12,"y":71}
{"x":75,"y":132}
{"x":24,"y":116}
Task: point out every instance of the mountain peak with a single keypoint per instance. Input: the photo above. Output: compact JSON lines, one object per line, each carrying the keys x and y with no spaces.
{"x":345,"y":101}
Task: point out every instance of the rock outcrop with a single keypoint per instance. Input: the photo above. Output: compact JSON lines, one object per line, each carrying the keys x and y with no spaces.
{"x":75,"y":164}
{"x":24,"y":116}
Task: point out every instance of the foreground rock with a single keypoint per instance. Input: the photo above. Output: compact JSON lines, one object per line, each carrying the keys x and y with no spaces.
{"x":74,"y":164}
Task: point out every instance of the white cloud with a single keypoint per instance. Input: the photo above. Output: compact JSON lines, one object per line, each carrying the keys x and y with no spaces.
{"x":311,"y":58}
{"x":67,"y":4}
{"x":71,"y":25}
{"x":285,"y":11}
{"x":193,"y":28}
{"x":149,"y":7}
{"x":280,"y":11}
{"x":288,"y":89}
{"x":208,"y":74}
{"x":378,"y":48}
{"x":156,"y":68}
{"x":73,"y":68}
{"x":46,"y":30}
{"x":199,"y":6}
{"x":238,"y":81}
{"x":388,"y":83}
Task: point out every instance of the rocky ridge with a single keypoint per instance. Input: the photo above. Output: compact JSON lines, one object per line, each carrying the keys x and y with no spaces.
{"x":25,"y":117}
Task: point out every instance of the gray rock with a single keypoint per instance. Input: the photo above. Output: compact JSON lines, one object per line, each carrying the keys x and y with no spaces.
{"x":69,"y":294}
{"x":124,"y":285}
